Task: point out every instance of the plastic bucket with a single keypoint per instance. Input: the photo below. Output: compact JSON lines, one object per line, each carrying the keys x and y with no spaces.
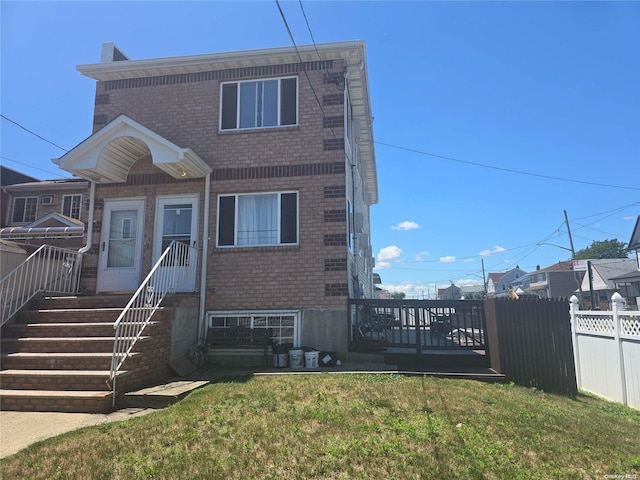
{"x":296,"y":358}
{"x":280,"y":360}
{"x":311,"y":359}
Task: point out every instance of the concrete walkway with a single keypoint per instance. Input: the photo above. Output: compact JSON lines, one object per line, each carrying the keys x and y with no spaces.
{"x":18,"y":430}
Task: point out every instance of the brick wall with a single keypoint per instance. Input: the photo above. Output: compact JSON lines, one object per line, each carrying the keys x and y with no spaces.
{"x":307,"y":158}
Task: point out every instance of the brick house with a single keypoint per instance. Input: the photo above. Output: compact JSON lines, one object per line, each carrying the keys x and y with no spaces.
{"x":263,"y":160}
{"x":51,"y":212}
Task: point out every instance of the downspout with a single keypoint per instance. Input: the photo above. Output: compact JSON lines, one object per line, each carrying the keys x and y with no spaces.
{"x":205,"y":250}
{"x":89,"y":244}
{"x":92,"y":199}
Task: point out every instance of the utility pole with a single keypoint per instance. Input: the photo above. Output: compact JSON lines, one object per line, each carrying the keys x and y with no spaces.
{"x":484,"y":278}
{"x":573,"y":254}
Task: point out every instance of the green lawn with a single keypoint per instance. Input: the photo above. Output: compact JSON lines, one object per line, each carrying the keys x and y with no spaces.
{"x":350,"y":426}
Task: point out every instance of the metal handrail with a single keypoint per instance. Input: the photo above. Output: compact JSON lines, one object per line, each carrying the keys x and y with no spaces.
{"x":49,"y":269}
{"x":161,"y":280}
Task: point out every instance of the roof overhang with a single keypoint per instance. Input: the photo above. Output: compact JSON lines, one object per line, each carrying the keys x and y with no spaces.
{"x":634,"y":242}
{"x":352,"y":52}
{"x":48,"y":186}
{"x":108,"y":155}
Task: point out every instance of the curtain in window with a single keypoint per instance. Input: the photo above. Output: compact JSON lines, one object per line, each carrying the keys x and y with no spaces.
{"x":257,"y":219}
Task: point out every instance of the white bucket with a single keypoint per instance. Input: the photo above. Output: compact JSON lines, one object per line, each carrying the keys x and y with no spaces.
{"x":296,"y":358}
{"x":311,"y":359}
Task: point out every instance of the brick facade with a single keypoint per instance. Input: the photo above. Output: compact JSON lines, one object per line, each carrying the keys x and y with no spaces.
{"x":306,"y":158}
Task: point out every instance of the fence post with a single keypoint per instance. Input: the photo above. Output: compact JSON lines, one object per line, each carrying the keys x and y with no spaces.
{"x":617,"y":306}
{"x":416,"y":319}
{"x":573,"y":309}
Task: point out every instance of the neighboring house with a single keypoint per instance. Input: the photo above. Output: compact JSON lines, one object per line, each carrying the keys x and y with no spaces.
{"x":471,"y":292}
{"x":515,"y":278}
{"x":452,"y":292}
{"x":628,"y":284}
{"x":492,"y":282}
{"x":559,"y":280}
{"x":9,"y":176}
{"x":49,"y":211}
{"x":603,"y":273}
{"x":263,"y":160}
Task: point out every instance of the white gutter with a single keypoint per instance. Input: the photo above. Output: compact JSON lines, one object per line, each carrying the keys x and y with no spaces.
{"x":205,"y":250}
{"x":92,"y":198}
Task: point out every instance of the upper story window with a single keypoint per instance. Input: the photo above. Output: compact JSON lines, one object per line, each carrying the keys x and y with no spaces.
{"x":71,"y":206}
{"x":24,"y":209}
{"x":251,"y":220}
{"x":259,"y":104}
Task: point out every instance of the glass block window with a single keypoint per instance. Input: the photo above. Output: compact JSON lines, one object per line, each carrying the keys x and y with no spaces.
{"x":283,"y":324}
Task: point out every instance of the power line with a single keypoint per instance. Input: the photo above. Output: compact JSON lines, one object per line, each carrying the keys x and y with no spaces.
{"x":613,"y":212}
{"x":34,"y":168}
{"x":309,"y":28}
{"x":33,"y":133}
{"x":304,"y":70}
{"x":510,"y":170}
{"x":313,"y":40}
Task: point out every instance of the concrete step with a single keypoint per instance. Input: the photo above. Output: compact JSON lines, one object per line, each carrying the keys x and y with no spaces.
{"x":69,"y":315}
{"x":56,"y":379}
{"x":95,"y":301}
{"x":61,"y":344}
{"x":56,"y":401}
{"x":58,"y":361}
{"x":66,"y":330}
{"x":435,"y":358}
{"x":161,"y":396}
{"x":59,"y":330}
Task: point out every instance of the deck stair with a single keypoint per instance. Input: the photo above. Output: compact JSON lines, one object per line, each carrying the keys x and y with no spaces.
{"x":56,"y":355}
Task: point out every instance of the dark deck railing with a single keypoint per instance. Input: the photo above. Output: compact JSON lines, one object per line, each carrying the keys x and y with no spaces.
{"x":419,"y":324}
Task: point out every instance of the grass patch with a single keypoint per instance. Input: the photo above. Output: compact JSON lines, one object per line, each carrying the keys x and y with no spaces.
{"x":350,"y":426}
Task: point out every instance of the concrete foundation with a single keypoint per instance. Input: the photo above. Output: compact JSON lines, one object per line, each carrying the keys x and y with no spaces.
{"x":325,"y":330}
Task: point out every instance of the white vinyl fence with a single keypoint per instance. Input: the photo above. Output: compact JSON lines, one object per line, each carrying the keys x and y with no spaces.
{"x":606,"y":347}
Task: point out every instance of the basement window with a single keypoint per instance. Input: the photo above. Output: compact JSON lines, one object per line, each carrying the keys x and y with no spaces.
{"x":283,"y":324}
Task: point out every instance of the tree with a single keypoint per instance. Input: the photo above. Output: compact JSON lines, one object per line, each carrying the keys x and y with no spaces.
{"x":603,"y":249}
{"x":398,"y":295}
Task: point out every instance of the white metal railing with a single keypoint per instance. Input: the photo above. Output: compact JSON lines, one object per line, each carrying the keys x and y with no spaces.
{"x":49,"y":269}
{"x":166,"y":276}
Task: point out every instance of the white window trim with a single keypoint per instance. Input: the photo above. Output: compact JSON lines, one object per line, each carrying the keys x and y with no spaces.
{"x":260,"y":313}
{"x":47,"y":199}
{"x":13,"y":209}
{"x":238,"y":82}
{"x":80,"y":206}
{"x":279,"y":213}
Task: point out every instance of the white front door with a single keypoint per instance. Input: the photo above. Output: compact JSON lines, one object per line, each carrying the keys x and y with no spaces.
{"x":121,"y":246}
{"x":177,"y":219}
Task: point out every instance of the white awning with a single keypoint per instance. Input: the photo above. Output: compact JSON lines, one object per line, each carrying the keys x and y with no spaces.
{"x":41,"y":232}
{"x":108,"y":155}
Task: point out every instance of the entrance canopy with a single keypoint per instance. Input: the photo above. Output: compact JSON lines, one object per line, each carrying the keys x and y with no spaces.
{"x":108,"y":155}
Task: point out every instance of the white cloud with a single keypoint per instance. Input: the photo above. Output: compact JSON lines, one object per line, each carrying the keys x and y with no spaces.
{"x":448,"y":259}
{"x":496,"y":249}
{"x":410,"y":289}
{"x":387,"y":255}
{"x":421,"y":256}
{"x":469,"y":260}
{"x":630,"y":217}
{"x":407,"y":226}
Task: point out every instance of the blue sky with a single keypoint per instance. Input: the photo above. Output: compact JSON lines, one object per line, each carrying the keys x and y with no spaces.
{"x":547,"y":88}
